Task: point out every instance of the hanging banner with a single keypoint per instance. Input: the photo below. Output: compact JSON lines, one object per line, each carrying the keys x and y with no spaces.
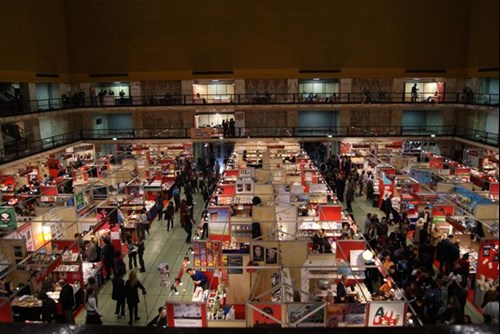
{"x":386,"y":314}
{"x":267,"y":315}
{"x":306,"y":315}
{"x":187,"y":315}
{"x":25,"y":233}
{"x":8,"y":217}
{"x":342,"y":314}
{"x":247,"y":172}
{"x":244,"y":187}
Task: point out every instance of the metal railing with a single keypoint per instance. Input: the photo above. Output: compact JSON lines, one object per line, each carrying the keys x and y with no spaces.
{"x":16,"y":150}
{"x":16,"y":107}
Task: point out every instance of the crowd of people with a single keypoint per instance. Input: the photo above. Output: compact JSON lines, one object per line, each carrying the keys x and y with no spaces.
{"x":408,"y":256}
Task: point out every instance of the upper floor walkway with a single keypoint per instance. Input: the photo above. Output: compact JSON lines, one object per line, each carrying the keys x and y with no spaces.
{"x":24,"y":107}
{"x":19,"y":150}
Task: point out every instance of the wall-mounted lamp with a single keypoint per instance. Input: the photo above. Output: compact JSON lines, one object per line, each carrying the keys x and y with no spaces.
{"x":46,"y":233}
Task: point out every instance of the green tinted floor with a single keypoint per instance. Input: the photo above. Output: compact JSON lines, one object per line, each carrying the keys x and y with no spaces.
{"x":161,"y":246}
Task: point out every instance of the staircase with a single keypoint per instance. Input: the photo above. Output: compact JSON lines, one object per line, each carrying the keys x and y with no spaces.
{"x":14,"y":139}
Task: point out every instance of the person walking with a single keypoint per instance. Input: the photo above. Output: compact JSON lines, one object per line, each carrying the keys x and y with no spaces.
{"x":176,"y":194}
{"x":118,"y":294}
{"x":414,"y":93}
{"x":132,"y":296}
{"x":131,"y":251}
{"x":93,"y":313}
{"x":169,"y":215}
{"x":160,"y":204}
{"x":141,"y":247}
{"x":188,"y":226}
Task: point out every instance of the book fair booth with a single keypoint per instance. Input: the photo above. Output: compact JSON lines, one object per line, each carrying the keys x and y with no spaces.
{"x":255,"y":241}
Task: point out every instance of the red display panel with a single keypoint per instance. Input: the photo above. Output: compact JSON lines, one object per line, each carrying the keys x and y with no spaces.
{"x":226,"y":190}
{"x":269,"y":315}
{"x":330,"y":212}
{"x":443,"y":210}
{"x":54,"y":166}
{"x":232,"y":173}
{"x":462,"y":171}
{"x":344,"y":248}
{"x":494,"y":188}
{"x":436,"y":162}
{"x":6,"y":315}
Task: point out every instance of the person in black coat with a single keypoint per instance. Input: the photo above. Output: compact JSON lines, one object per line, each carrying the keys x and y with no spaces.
{"x":67,"y":300}
{"x":386,"y":206}
{"x":340,"y":186}
{"x":141,"y":247}
{"x":118,"y":294}
{"x":107,"y":255}
{"x":452,"y":255}
{"x":160,"y":204}
{"x":48,"y":308}
{"x":169,"y":215}
{"x":342,"y":289}
{"x":132,"y":296}
{"x":188,"y":226}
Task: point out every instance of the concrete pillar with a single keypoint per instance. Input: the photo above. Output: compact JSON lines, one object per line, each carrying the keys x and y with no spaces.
{"x":239,"y":90}
{"x":398,"y":88}
{"x":28,"y":93}
{"x":345,"y":89}
{"x":187,"y":90}
{"x":135,"y":92}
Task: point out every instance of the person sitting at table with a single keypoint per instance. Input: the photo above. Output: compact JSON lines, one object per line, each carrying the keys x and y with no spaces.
{"x":318,"y":240}
{"x":199,"y":278}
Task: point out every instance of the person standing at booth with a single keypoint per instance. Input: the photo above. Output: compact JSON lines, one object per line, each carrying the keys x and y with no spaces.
{"x":108,"y":253}
{"x":199,"y":278}
{"x":342,"y":289}
{"x":67,"y":300}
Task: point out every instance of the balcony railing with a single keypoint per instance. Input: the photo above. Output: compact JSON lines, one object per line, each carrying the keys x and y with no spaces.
{"x":10,"y":108}
{"x":15,"y":150}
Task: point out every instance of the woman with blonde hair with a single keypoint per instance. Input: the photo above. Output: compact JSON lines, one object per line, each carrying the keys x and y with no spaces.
{"x":93,"y":313}
{"x":132,"y":296}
